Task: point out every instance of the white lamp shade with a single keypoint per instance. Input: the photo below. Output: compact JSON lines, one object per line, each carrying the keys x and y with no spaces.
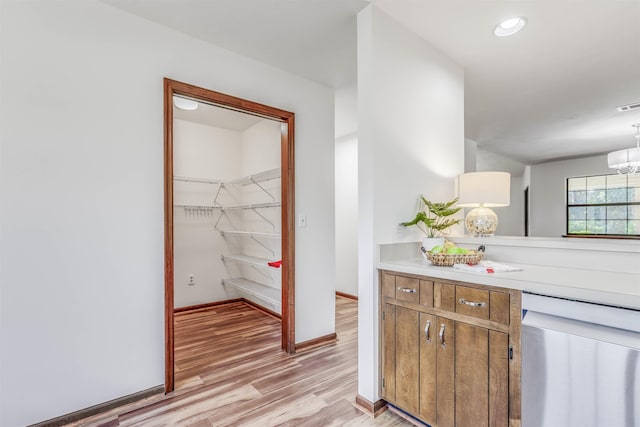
{"x":488,"y":189}
{"x":624,"y":158}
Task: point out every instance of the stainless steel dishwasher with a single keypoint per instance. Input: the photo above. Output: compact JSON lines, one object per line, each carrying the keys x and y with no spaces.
{"x":580,"y":364}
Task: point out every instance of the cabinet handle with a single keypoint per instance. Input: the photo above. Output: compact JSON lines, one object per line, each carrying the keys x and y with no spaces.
{"x":472,"y":303}
{"x":441,"y":335}
{"x":408,"y":290}
{"x":426,"y":330}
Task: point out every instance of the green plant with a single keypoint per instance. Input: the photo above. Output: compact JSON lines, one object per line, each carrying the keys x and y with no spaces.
{"x":435,"y":218}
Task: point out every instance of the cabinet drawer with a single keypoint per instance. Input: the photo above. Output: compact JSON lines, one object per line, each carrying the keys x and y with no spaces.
{"x":444,"y":296}
{"x":408,"y":289}
{"x":472,"y":302}
{"x":500,"y":307}
{"x":388,"y":285}
{"x":426,"y":293}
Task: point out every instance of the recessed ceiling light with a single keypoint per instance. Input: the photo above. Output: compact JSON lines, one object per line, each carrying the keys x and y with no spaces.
{"x":628,"y":107}
{"x":510,"y":26}
{"x":184,"y":104}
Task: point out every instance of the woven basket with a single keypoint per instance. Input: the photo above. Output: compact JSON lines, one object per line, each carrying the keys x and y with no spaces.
{"x":448,"y":260}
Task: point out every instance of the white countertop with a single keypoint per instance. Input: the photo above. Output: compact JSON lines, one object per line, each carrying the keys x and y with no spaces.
{"x":604,"y":287}
{"x":616,"y":288}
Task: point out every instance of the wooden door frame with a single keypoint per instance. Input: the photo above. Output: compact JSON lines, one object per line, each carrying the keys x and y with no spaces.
{"x":171,"y":88}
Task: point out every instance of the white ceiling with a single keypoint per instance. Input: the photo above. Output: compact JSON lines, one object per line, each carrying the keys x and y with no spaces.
{"x":313,"y":38}
{"x":219,"y":117}
{"x":549,"y":92}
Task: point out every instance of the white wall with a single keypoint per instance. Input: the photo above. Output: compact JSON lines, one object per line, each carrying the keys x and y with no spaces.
{"x":260,"y":147}
{"x":347,"y":215}
{"x":410,"y":142}
{"x":547,"y":192}
{"x":346,"y":185}
{"x":260,"y":152}
{"x":204,"y":152}
{"x":489,"y":161}
{"x":81,"y":261}
{"x":510,"y":218}
{"x":346,"y":111}
{"x":470,"y":154}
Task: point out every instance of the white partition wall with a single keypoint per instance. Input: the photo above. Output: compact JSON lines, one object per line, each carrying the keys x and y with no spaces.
{"x":410,"y":142}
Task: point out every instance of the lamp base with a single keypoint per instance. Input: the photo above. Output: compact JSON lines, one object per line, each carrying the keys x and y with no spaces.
{"x":481,"y":222}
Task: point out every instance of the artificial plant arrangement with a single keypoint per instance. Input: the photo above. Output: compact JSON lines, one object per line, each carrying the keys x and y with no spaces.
{"x":435,"y":218}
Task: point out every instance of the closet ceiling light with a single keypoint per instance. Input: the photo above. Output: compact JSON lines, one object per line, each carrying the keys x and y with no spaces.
{"x":184,"y":104}
{"x":510,"y":26}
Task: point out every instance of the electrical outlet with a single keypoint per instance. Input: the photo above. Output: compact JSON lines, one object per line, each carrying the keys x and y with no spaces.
{"x":192,"y":279}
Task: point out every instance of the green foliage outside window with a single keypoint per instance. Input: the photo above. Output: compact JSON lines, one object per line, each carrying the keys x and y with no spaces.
{"x":604,"y":205}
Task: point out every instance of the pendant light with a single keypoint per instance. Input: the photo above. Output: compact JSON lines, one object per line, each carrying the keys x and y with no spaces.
{"x":626,"y":161}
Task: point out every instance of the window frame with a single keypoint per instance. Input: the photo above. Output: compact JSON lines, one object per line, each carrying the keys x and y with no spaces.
{"x":605,"y":205}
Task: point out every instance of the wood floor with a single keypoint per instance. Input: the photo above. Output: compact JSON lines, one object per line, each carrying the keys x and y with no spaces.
{"x":230,"y":371}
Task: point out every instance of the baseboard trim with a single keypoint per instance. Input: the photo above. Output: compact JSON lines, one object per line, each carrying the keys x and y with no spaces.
{"x":99,"y":408}
{"x":316,"y":342}
{"x":345,"y":295}
{"x":212,"y":305}
{"x":206,"y":306}
{"x":261,"y":308}
{"x":373,"y":409}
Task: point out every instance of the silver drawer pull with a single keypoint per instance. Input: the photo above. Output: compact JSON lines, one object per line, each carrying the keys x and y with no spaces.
{"x":441,"y":335}
{"x":408,"y":290}
{"x":426,"y":330}
{"x":472,"y":303}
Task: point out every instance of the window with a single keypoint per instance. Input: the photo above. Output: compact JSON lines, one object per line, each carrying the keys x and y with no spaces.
{"x":604,"y":205}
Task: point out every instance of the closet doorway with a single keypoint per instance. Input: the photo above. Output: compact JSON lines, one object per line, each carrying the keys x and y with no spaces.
{"x":235,"y":214}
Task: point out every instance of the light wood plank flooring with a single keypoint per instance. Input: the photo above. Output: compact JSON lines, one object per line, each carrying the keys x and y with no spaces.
{"x":230,"y":371}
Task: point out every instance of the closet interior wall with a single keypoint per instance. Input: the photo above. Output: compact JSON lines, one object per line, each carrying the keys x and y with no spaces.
{"x":227,"y":228}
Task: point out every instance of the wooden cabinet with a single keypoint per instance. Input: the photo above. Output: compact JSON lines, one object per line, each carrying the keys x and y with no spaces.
{"x":450,"y":351}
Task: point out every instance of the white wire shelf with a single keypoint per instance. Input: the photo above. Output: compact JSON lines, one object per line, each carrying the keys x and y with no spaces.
{"x":255,"y":179}
{"x":234,"y":233}
{"x":265,"y":293}
{"x":249,"y":260}
{"x":258,"y":177}
{"x":198,"y":180}
{"x":197,"y":207}
{"x":252,"y":206}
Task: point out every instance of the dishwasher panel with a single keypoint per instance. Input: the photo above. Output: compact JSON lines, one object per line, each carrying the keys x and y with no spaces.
{"x":579,"y":374}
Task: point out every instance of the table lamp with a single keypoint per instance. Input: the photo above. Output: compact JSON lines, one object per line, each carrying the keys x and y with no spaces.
{"x":482,"y":191}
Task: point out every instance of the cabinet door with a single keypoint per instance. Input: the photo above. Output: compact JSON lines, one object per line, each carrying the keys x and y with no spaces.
{"x":428,"y":368}
{"x":446,"y":358}
{"x":407,"y":356}
{"x":482,"y":376}
{"x":472,"y":376}
{"x":498,"y":379}
{"x":389,"y":352}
